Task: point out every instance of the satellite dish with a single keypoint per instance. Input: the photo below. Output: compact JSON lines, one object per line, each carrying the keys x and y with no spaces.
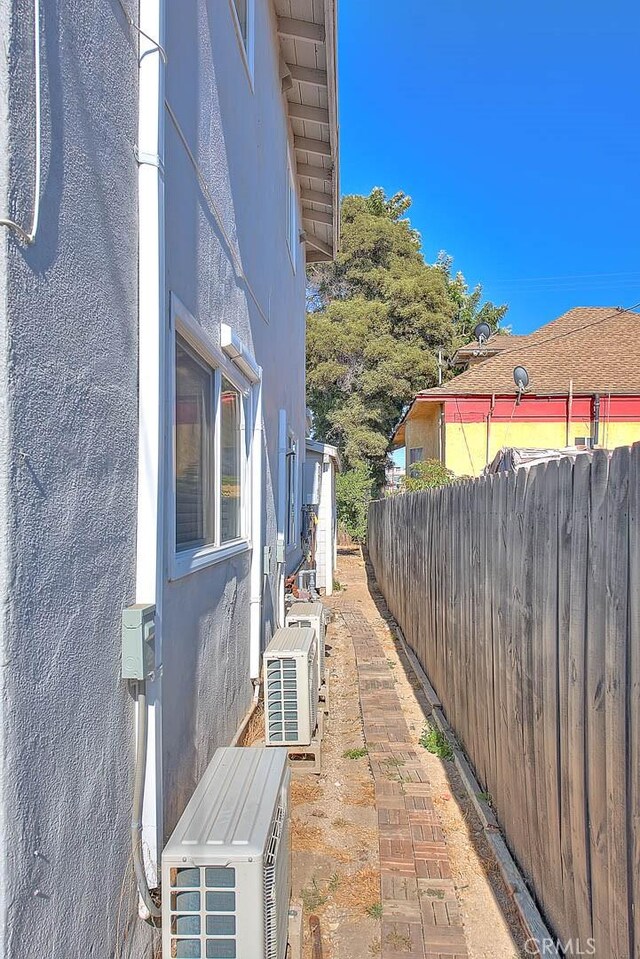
{"x":482,"y":332}
{"x":521,"y":378}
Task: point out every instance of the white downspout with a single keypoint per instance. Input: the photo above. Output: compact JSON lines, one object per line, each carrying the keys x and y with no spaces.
{"x":152,"y":314}
{"x":281,"y":546}
{"x":257,"y":484}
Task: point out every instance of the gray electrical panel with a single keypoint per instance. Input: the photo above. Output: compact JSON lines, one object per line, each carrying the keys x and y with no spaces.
{"x":138,"y":641}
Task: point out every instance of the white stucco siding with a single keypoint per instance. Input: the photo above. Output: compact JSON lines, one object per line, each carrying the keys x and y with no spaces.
{"x":68,"y":459}
{"x":239,"y":139}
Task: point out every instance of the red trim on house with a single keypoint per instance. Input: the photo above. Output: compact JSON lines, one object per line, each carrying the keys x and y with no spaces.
{"x":535,"y":409}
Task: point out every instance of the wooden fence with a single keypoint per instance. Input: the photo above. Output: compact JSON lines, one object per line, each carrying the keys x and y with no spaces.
{"x":520,"y":595}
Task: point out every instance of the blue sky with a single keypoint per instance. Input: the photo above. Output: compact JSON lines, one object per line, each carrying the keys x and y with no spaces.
{"x":515,"y":128}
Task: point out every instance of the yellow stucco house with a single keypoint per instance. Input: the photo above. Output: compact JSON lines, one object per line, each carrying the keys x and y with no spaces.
{"x":584,"y":389}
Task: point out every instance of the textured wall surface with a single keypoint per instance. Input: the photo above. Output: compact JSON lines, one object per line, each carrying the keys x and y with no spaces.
{"x":68,"y":441}
{"x":239,"y":138}
{"x":69,"y":462}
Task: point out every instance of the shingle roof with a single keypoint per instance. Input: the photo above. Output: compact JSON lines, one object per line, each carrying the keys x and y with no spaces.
{"x":598,"y":348}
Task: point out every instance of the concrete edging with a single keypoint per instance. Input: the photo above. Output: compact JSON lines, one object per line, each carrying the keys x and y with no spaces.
{"x":532,"y":921}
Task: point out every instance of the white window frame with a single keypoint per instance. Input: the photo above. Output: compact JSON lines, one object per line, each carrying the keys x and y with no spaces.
{"x":291,"y":213}
{"x":247,"y":51}
{"x":183,"y":562}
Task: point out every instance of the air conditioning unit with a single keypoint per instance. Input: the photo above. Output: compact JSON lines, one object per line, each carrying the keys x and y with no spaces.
{"x":226,"y":879}
{"x":314,"y":615}
{"x":291,"y":682}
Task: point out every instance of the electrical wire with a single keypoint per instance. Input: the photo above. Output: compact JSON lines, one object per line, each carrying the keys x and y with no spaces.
{"x":202,"y":182}
{"x":29,"y":236}
{"x":204,"y":187}
{"x":619,"y":311}
{"x":464,"y":435}
{"x":157,"y":46}
{"x":566,"y":276}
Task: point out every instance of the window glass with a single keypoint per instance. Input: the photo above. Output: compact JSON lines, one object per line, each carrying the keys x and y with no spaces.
{"x":242,"y":13}
{"x":231,"y":455}
{"x":194,"y":391}
{"x":416,"y":455}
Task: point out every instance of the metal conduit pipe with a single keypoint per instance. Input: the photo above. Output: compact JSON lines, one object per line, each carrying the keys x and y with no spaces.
{"x":138,"y":800}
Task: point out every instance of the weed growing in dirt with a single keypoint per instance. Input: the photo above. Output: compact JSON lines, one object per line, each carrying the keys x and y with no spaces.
{"x":392,"y":665}
{"x":334,"y":882}
{"x":375,"y":947}
{"x":356,"y":753}
{"x":398,"y":941}
{"x":337,"y":586}
{"x":434,"y":742}
{"x":375,"y":910}
{"x":434,"y":893}
{"x":486,"y":797}
{"x":313,"y":897}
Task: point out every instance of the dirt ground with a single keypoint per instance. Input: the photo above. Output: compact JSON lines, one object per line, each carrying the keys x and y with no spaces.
{"x":334,"y":819}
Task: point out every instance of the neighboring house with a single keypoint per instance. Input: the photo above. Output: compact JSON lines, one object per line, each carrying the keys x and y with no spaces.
{"x":393,"y":477}
{"x":584,"y":389}
{"x":321,"y":465}
{"x":167,"y":168}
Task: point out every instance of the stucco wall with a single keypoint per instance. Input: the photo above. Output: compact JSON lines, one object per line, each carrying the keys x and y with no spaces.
{"x":68,"y":443}
{"x":465,"y":447}
{"x":69,"y":462}
{"x":422,"y":430}
{"x":239,"y":137}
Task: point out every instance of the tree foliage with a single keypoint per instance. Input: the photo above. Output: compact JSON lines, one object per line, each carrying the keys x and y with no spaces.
{"x":427,"y":474}
{"x":354,"y":492}
{"x":377,"y":317}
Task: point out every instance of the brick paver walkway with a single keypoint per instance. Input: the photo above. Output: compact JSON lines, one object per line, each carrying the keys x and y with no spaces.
{"x":420,"y":915}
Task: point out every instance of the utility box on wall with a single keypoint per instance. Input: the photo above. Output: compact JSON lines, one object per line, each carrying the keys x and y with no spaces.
{"x":138,"y":641}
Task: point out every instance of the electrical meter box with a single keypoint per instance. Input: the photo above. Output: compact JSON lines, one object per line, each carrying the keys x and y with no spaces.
{"x":138,"y":641}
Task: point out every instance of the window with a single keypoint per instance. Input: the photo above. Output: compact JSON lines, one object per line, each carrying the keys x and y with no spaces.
{"x":194,"y":451}
{"x":243,"y":13}
{"x":208,"y":508}
{"x":240,"y":7}
{"x":416,"y":455}
{"x":292,"y":489}
{"x":231,"y":443}
{"x":291,"y":214}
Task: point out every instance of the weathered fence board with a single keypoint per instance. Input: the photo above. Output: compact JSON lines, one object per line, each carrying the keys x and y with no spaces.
{"x":520,"y":595}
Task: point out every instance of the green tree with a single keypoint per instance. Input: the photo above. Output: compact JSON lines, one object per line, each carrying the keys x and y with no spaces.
{"x":427,"y":474}
{"x":470,"y":310}
{"x":354,"y":492}
{"x":377,"y":318}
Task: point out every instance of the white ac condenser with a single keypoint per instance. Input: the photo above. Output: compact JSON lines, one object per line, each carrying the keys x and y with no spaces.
{"x":314,"y":615}
{"x":291,"y":682}
{"x":226,"y":878}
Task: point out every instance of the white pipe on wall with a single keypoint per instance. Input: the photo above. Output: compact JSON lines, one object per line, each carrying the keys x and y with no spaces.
{"x":257,"y":539}
{"x":282,"y":510}
{"x":30,"y":235}
{"x":151,"y":357}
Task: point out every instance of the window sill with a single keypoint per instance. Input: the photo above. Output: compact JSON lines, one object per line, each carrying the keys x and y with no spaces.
{"x":191,"y":561}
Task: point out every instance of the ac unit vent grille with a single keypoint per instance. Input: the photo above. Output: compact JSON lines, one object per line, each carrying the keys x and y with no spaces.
{"x":203,"y":913}
{"x":313,"y":687}
{"x":282,"y":700}
{"x":276,"y":878}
